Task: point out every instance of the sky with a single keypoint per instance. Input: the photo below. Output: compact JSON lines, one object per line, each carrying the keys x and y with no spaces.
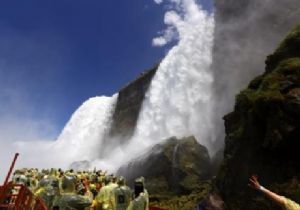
{"x":54,"y":55}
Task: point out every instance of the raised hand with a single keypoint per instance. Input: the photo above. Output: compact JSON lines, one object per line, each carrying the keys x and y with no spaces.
{"x":253,"y":182}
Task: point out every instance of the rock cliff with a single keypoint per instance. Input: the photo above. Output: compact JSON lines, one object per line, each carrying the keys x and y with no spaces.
{"x":177,"y":173}
{"x":176,"y":165}
{"x":246,"y":31}
{"x":263,"y":132}
{"x":128,"y":106}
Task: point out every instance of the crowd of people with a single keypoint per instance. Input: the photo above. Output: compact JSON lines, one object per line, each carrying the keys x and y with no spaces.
{"x":97,"y":190}
{"x":83,"y":190}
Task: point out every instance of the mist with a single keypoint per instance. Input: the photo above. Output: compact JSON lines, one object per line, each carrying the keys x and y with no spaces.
{"x":245,"y":33}
{"x":22,"y":120}
{"x":183,"y":82}
{"x":16,"y":133}
{"x":215,"y":56}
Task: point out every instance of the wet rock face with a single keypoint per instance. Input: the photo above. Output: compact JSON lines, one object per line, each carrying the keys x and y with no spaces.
{"x":175,"y":166}
{"x":246,"y":31}
{"x":263,"y":132}
{"x":128,"y":106}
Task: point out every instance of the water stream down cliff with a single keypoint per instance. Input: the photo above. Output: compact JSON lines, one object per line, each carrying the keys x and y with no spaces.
{"x":177,"y":102}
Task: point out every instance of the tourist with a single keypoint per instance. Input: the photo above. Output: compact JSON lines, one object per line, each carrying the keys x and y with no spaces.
{"x":103,"y":199}
{"x":121,"y":195}
{"x":69,"y":199}
{"x":282,"y":201}
{"x":141,"y":200}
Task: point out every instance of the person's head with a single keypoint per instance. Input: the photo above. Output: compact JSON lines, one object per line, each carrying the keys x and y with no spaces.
{"x":45,"y":171}
{"x":107,"y":180}
{"x":113,"y":178}
{"x":53,"y":172}
{"x":55,"y":184}
{"x":21,"y":179}
{"x":69,"y":183}
{"x":44,"y":182}
{"x":121,"y":181}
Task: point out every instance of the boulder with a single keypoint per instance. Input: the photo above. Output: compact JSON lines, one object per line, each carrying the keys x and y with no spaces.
{"x":175,"y":166}
{"x":83,"y":165}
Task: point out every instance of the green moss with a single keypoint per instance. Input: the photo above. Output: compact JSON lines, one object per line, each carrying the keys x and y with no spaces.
{"x":190,"y":182}
{"x":288,"y":40}
{"x":267,"y":88}
{"x":186,"y":202}
{"x":263,"y":123}
{"x":289,"y":66}
{"x":237,"y":133}
{"x":288,"y":48}
{"x":245,"y":99}
{"x":248,"y":98}
{"x":271,"y":82}
{"x":255,"y":83}
{"x":269,"y":96}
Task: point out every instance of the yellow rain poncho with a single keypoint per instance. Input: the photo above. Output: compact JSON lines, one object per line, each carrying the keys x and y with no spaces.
{"x":290,"y":205}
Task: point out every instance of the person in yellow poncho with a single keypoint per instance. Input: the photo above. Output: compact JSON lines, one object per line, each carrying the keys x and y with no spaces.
{"x":121,"y":195}
{"x":103,"y":199}
{"x":286,"y":203}
{"x":141,"y":196}
{"x":69,"y":200}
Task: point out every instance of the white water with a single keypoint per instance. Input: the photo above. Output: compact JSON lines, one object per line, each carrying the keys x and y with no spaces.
{"x":179,"y":100}
{"x":87,"y":128}
{"x":81,"y":138}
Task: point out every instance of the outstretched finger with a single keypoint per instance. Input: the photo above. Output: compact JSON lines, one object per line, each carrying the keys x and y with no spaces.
{"x":252,"y":182}
{"x":252,"y":178}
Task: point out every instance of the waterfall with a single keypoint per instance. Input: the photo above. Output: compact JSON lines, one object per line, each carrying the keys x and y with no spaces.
{"x":175,"y":166}
{"x":87,"y":128}
{"x":80,"y":139}
{"x":174,"y":158}
{"x":179,"y":100}
{"x":178,"y":103}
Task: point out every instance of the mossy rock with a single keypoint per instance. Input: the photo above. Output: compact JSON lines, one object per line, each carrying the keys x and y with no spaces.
{"x":288,"y":48}
{"x":174,"y":167}
{"x":182,"y":202}
{"x":263,"y":132}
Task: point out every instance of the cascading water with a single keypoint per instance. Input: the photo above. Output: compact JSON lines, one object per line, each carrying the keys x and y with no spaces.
{"x":174,"y":158}
{"x":87,"y":128}
{"x":175,"y":166}
{"x":178,"y":102}
{"x":80,"y":139}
